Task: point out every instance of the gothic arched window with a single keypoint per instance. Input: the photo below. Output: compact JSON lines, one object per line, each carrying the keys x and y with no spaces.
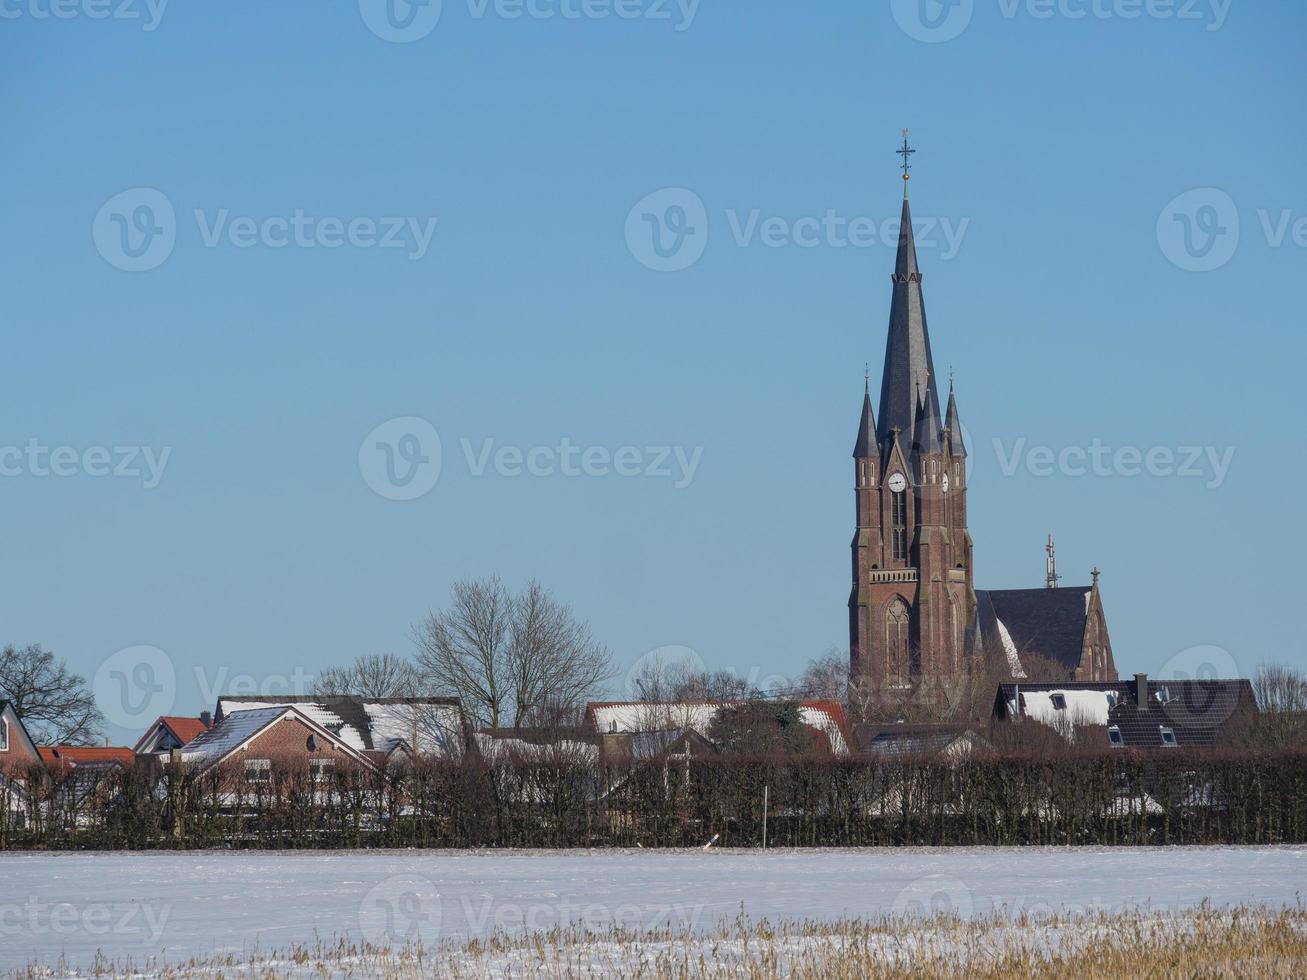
{"x":896,"y":642}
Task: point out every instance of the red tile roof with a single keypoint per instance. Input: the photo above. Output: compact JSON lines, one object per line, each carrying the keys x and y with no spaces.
{"x":57,"y":756}
{"x":184,"y":728}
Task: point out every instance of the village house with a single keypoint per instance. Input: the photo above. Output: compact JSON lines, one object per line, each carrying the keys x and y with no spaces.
{"x":20,"y":760}
{"x":385,"y":730}
{"x":171,"y":732}
{"x":1138,"y":714}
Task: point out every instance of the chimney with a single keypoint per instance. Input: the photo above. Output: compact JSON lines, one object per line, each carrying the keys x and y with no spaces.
{"x":106,"y":741}
{"x":206,"y":719}
{"x":1141,"y":690}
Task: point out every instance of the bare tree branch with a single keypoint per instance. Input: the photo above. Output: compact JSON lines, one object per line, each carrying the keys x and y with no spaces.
{"x":55,"y":704}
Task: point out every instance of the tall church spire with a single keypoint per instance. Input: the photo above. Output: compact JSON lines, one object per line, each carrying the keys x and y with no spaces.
{"x":954,"y":423}
{"x":909,"y":376}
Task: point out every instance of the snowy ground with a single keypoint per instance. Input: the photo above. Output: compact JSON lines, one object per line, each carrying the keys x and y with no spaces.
{"x":182,"y":905}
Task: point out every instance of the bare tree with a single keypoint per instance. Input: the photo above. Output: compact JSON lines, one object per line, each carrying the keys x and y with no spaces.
{"x":55,"y":704}
{"x":526,"y":656}
{"x":375,"y":675}
{"x":554,"y":661}
{"x":826,"y":676}
{"x":1281,"y":694}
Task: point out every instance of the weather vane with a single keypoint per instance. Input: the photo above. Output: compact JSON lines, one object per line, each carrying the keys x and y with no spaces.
{"x":906,"y":152}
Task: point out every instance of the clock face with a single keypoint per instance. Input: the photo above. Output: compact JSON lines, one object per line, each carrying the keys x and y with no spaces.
{"x":898,"y":483}
{"x":946,"y":483}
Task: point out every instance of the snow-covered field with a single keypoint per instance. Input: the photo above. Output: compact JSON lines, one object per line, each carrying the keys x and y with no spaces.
{"x":198,"y":904}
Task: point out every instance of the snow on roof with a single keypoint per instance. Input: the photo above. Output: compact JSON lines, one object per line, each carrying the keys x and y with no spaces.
{"x":319,"y":713}
{"x":632,"y":717}
{"x":1081,"y":707}
{"x":237,"y":728}
{"x":504,"y":749}
{"x":1010,"y":648}
{"x":648,"y":717}
{"x":430,"y":726}
{"x":824,"y":721}
{"x":430,"y":729}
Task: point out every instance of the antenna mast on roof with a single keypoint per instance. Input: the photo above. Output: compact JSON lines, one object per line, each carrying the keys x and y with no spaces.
{"x":1053,"y":577}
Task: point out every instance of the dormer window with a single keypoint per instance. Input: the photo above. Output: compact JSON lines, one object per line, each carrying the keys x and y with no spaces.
{"x":1168,"y":737}
{"x":1059,"y":701}
{"x":1114,"y":737}
{"x":4,"y":734}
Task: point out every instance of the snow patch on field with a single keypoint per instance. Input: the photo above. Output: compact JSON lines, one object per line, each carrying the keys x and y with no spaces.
{"x":206,"y":903}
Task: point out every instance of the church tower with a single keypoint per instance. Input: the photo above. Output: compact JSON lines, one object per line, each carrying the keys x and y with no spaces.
{"x":913,"y":600}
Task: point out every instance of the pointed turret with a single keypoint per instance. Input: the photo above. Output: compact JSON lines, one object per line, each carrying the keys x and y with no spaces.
{"x":909,"y":375}
{"x":866,"y":444}
{"x":927,"y":433}
{"x":955,"y":442}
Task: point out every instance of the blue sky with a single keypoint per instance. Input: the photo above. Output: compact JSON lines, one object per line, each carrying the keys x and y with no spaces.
{"x":1059,"y":152}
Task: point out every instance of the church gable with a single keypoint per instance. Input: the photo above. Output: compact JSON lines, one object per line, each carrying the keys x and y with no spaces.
{"x":1053,"y":624}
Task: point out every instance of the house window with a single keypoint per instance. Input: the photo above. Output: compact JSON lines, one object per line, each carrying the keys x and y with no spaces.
{"x":258,"y":770}
{"x":1168,"y":737}
{"x":1114,"y":736}
{"x":1163,"y":694}
{"x":320,"y":770}
{"x":896,"y":642}
{"x":1059,"y":701}
{"x":899,"y":525}
{"x":4,"y":735}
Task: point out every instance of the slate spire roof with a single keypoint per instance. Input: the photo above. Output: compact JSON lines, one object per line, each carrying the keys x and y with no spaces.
{"x":928,"y":436}
{"x":954,"y":425}
{"x":866,"y":444}
{"x":909,"y":376}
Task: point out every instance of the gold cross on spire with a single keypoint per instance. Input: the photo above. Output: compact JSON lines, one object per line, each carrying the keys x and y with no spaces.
{"x":906,"y":152}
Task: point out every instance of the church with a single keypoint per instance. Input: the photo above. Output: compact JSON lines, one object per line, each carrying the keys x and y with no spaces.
{"x":915,"y":615}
